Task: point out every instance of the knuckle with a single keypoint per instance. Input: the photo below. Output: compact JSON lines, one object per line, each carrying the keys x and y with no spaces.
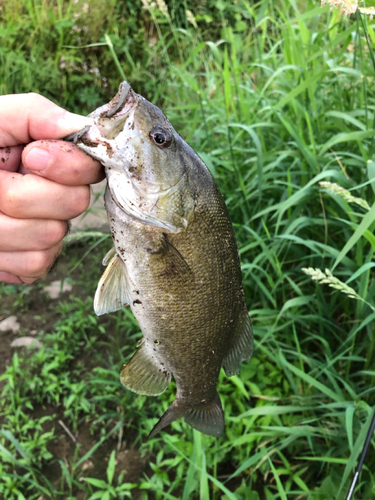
{"x":55,"y":232}
{"x":82,"y":198}
{"x":41,"y":262}
{"x":11,"y":200}
{"x":27,"y":281}
{"x":36,"y":99}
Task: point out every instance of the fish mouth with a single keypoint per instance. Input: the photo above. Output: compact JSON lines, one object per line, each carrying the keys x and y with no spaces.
{"x":120,"y":105}
{"x":107,"y":120}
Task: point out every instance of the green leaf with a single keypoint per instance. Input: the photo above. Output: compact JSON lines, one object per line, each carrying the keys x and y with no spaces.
{"x":357,"y":448}
{"x":9,"y":456}
{"x":66,"y":474}
{"x":280,"y":486}
{"x":258,"y":146}
{"x":218,"y":483}
{"x":349,"y":413}
{"x":126,"y":486}
{"x":249,"y":462}
{"x":345,"y":137}
{"x":346,"y":117}
{"x":328,"y":460}
{"x":99,"y":483}
{"x":111,"y":467}
{"x":360,"y":271}
{"x":295,"y":302}
{"x":98,"y":494}
{"x":371,"y":173}
{"x":8,"y":434}
{"x":271,"y":410}
{"x":304,"y":85}
{"x":298,"y":195}
{"x":311,"y":380}
{"x":99,"y":443}
{"x":366,"y":222}
{"x":190,"y":482}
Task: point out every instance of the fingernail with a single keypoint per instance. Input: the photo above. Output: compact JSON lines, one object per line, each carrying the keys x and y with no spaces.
{"x":37,"y":159}
{"x":70,"y":122}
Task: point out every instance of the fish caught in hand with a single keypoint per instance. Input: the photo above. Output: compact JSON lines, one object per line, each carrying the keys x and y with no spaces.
{"x":175,"y":260}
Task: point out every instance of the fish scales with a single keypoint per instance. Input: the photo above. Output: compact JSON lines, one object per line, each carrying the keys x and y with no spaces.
{"x":175,"y":263}
{"x":197,"y":301}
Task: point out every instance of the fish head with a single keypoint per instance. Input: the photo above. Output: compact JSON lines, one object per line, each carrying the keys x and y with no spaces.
{"x":147,"y":163}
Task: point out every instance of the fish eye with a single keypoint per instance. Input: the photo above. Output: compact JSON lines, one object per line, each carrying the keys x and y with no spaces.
{"x":161,"y":137}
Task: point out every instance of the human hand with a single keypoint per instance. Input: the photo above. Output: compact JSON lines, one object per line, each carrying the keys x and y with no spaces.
{"x":35,"y":208}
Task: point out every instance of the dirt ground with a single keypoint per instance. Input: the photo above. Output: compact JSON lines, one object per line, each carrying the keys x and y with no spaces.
{"x":26,"y":325}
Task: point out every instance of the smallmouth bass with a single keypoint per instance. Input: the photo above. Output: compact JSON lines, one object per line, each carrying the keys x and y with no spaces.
{"x":175,"y":260}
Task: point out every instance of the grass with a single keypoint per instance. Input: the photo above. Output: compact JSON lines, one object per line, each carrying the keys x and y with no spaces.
{"x":277,"y":99}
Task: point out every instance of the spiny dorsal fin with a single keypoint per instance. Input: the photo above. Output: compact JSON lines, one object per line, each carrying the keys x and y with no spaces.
{"x":112,"y":292}
{"x":144,"y":374}
{"x":205,"y":417}
{"x":242,"y":346}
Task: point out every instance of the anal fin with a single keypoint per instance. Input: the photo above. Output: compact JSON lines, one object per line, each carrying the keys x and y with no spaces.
{"x":242,"y":346}
{"x":112,"y":292}
{"x":144,"y":374}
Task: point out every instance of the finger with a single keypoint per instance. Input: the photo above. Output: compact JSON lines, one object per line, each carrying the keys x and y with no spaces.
{"x":10,"y":278}
{"x":30,"y":234}
{"x":15,"y":280}
{"x":33,"y":197}
{"x":29,"y":265}
{"x":27,"y":117}
{"x":10,"y":158}
{"x":62,"y":162}
{"x":23,"y":170}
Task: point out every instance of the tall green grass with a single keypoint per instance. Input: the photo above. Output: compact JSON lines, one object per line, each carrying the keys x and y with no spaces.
{"x":276,"y":98}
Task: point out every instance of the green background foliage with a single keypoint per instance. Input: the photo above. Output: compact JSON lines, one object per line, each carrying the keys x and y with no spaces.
{"x":276,"y":97}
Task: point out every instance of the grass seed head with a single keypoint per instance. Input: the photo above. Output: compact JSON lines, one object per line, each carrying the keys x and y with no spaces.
{"x":328,"y":278}
{"x":349,"y":7}
{"x":334,"y":188}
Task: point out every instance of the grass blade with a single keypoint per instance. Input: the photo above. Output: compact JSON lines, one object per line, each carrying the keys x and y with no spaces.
{"x":365,"y":224}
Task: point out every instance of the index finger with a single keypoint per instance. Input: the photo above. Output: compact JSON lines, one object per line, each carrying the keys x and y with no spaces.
{"x":28,"y":117}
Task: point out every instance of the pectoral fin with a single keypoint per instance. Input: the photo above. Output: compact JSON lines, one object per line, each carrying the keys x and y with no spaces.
{"x":144,"y":374}
{"x":242,"y":346}
{"x":108,"y":256}
{"x":112,"y":292}
{"x":179,"y":263}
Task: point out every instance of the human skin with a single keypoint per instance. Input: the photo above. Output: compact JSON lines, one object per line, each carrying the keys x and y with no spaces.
{"x":44,"y":182}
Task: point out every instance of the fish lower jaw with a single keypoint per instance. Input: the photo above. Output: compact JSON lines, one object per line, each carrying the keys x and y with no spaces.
{"x":94,"y":149}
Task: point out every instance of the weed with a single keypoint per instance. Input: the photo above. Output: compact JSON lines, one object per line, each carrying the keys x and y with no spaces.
{"x":277,"y":99}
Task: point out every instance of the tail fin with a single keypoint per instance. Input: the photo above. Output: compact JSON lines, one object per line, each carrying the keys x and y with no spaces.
{"x":205,"y":417}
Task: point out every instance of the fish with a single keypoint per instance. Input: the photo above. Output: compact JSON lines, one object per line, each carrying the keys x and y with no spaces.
{"x":175,"y":260}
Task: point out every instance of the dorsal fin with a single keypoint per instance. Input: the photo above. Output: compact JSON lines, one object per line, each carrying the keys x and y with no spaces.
{"x":112,"y":292}
{"x":242,"y":345}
